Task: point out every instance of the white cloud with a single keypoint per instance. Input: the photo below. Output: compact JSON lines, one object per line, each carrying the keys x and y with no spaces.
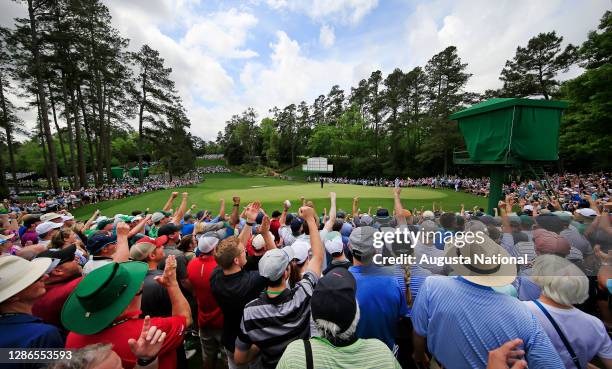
{"x":222,"y":34}
{"x":343,"y":11}
{"x":488,"y":37}
{"x":292,"y":77}
{"x":327,"y":36}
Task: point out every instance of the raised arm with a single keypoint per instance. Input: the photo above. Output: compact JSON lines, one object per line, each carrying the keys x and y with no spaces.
{"x":265,"y":232}
{"x":251,"y":215}
{"x":234,"y":219}
{"x":332,"y":213}
{"x":180,"y":306}
{"x":176,"y":219}
{"x":283,"y":217}
{"x":140,"y":226}
{"x":398,"y":208}
{"x":222,"y":209}
{"x":168,"y":205}
{"x":123,"y":251}
{"x":355,"y":213}
{"x":316,"y":263}
{"x":93,"y":217}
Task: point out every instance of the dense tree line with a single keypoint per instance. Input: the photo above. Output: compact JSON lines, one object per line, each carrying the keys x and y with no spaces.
{"x":76,"y":72}
{"x":398,"y":124}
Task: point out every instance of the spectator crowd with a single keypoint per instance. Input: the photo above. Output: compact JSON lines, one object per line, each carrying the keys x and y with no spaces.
{"x":287,"y":287}
{"x":72,"y":199}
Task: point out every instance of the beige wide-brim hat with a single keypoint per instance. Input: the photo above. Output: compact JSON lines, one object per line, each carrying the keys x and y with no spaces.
{"x":16,"y":274}
{"x":484,"y":274}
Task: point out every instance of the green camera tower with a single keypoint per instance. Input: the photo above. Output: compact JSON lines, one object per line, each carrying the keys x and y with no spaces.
{"x":508,"y":133}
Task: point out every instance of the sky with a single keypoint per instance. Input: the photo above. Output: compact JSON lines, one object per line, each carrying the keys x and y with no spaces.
{"x":227,"y":56}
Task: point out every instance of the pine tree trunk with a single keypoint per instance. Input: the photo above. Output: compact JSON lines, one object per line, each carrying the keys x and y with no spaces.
{"x":87,"y":135}
{"x":107,"y":151}
{"x":68,"y":108}
{"x":140,"y":123}
{"x":44,"y":111}
{"x":59,"y":132}
{"x":99,"y":132}
{"x":42,"y":144}
{"x":9,"y":137}
{"x":4,"y":191}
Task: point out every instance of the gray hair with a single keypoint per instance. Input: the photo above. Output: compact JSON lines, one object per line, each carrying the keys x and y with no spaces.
{"x":560,"y":280}
{"x":85,"y":358}
{"x":331,"y":330}
{"x":476,"y":226}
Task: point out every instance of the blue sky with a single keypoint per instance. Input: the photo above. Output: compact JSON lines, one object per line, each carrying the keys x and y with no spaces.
{"x":229,"y":55}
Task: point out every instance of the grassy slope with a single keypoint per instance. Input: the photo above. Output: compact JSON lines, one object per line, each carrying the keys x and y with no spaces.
{"x":273,"y":191}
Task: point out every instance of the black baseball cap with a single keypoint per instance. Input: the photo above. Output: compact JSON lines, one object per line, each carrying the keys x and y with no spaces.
{"x":333,"y":298}
{"x":168,"y":229}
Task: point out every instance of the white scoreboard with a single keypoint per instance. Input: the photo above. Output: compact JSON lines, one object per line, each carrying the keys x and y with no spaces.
{"x":317,"y":165}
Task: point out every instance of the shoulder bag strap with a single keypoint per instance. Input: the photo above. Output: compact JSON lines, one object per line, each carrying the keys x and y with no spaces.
{"x":308,"y":351}
{"x":569,"y":348}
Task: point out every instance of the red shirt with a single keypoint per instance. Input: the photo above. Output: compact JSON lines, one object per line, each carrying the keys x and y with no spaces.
{"x":49,"y":306}
{"x":118,"y":335}
{"x":274,"y":226}
{"x":198,"y":272}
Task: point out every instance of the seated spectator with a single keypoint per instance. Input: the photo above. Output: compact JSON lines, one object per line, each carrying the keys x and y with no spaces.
{"x":336,"y":314}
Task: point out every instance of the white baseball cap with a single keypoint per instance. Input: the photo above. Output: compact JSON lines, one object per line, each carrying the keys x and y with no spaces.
{"x":300,"y":250}
{"x":46,"y":227}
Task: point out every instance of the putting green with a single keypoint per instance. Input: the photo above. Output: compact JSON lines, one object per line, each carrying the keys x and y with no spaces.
{"x":272,"y":192}
{"x":265,"y":193}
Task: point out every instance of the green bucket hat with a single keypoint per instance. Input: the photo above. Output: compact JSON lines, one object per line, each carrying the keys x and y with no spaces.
{"x":102,"y":296}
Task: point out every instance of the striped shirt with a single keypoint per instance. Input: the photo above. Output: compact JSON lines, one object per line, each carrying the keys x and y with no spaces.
{"x":364,"y":353}
{"x":463,"y":321}
{"x":272,"y":323}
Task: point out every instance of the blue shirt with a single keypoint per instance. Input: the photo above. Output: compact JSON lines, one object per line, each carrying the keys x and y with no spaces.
{"x":27,"y":331}
{"x":381,"y":302}
{"x":187,"y":229}
{"x":463,"y":321}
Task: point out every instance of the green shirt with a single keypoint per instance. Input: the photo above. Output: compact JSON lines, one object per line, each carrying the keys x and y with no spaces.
{"x":153,"y":231}
{"x":363,"y":354}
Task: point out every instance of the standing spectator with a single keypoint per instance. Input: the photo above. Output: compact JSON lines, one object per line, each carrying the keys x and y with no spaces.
{"x":105,"y":249}
{"x":563,"y":285}
{"x":21,"y":285}
{"x":210,"y":317}
{"x":336,"y":315}
{"x":60,"y":283}
{"x":105,"y":306}
{"x":171,"y":234}
{"x":155,"y":300}
{"x":280,"y":315}
{"x":232,"y":286}
{"x":460,"y":318}
{"x":379,"y":294}
{"x":335,"y":247}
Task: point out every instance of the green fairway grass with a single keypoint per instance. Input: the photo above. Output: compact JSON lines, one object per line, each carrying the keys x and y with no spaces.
{"x":272,"y":192}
